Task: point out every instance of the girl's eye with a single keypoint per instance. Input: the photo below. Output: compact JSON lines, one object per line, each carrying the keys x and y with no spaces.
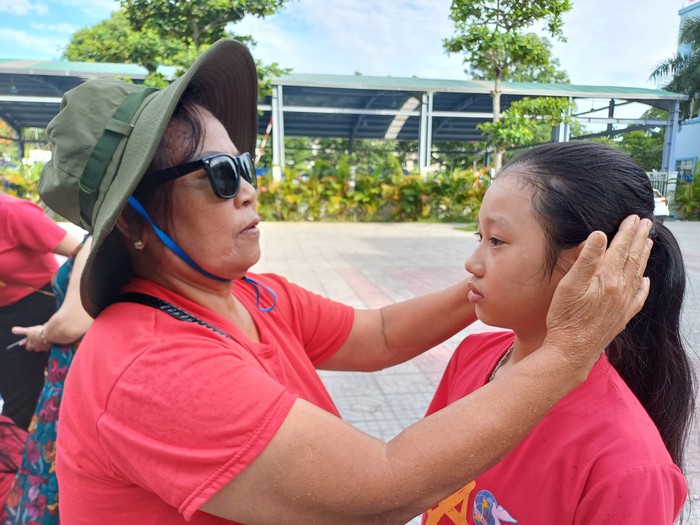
{"x":492,"y":240}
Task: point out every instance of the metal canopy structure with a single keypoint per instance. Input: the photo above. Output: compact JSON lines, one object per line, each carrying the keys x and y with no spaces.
{"x":427,"y":110}
{"x":31,"y":90}
{"x":350,"y":107}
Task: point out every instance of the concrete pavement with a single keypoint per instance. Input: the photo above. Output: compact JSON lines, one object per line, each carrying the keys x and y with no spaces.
{"x":371,"y":265}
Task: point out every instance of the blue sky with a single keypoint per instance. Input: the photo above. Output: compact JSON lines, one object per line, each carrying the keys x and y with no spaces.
{"x":610,"y":42}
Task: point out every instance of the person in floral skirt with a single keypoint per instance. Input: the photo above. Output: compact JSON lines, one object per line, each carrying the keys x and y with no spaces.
{"x":34,"y":496}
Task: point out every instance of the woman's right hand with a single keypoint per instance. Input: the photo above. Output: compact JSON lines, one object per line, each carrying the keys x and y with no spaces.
{"x":34,"y":338}
{"x":600,"y":294}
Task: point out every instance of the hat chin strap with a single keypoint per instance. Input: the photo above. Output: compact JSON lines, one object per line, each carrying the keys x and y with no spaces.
{"x":136,"y":205}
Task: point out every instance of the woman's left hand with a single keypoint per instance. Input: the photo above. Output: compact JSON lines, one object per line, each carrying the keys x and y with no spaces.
{"x":35,"y":341}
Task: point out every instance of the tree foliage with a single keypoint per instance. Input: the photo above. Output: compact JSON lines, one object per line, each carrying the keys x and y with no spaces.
{"x":525,"y":121}
{"x":494,"y":36}
{"x":168,"y":32}
{"x":194,"y":23}
{"x":682,"y":70}
{"x":114,"y":40}
{"x":547,"y":69}
{"x":645,"y":146}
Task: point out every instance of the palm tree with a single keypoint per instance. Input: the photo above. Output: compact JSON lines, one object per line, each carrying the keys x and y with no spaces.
{"x":682,"y":70}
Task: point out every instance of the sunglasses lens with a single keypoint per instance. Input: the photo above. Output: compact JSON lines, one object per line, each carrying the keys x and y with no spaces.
{"x":247,"y":169}
{"x":226,"y":172}
{"x":224,"y":176}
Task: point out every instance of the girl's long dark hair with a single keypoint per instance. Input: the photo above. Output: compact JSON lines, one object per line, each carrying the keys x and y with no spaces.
{"x":580,"y":187}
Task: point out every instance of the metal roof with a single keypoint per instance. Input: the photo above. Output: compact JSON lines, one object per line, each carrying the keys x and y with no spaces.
{"x":31,"y":90}
{"x":316,"y":105}
{"x":354,"y":106}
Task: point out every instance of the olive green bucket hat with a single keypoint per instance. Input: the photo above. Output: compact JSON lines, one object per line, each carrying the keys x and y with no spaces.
{"x":106,"y":135}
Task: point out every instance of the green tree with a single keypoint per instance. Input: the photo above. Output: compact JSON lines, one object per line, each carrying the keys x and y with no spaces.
{"x":492,"y":35}
{"x":168,"y":32}
{"x":195,"y":24}
{"x":527,"y":121}
{"x":114,"y":40}
{"x":646,"y":146}
{"x":682,"y":70}
{"x":547,"y":70}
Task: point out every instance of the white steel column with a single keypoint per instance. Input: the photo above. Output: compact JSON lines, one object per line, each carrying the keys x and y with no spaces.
{"x":278,"y":161}
{"x":423,"y":134}
{"x":668,"y":159}
{"x":274,"y":113}
{"x":429,"y":133}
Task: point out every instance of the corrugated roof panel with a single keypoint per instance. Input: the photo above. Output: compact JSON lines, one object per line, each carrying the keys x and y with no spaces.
{"x":470,"y":86}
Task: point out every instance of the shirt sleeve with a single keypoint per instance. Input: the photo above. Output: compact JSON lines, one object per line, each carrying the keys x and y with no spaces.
{"x":644,"y":494}
{"x":323,"y":324}
{"x":31,"y":227}
{"x":191,"y":416}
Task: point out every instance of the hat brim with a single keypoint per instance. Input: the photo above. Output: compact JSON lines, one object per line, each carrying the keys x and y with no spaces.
{"x":226,"y":76}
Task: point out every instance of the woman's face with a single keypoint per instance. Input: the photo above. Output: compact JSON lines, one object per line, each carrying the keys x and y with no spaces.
{"x":511,"y":287}
{"x":221,"y":235}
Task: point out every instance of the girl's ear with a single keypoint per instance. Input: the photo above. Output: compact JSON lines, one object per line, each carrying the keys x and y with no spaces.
{"x":569,"y":256}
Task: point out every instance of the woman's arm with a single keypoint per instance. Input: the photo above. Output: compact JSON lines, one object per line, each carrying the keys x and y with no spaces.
{"x":67,"y":246}
{"x":318,"y":469}
{"x":70,"y":321}
{"x":398,"y":332}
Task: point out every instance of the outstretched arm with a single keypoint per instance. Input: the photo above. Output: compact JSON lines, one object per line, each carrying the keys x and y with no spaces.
{"x":70,"y":321}
{"x":396,"y":333}
{"x":318,"y":469}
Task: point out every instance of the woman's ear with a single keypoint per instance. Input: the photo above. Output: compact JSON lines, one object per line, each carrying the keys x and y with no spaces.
{"x":129,"y":228}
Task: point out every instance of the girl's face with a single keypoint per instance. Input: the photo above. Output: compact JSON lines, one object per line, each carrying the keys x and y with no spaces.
{"x":511,"y":286}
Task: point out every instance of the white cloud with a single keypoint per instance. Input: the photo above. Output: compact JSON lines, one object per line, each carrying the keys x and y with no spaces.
{"x":31,"y":46}
{"x":22,"y":7}
{"x":620,"y":42}
{"x":55,"y":28}
{"x":97,"y":10}
{"x":609,"y":42}
{"x":396,"y":38}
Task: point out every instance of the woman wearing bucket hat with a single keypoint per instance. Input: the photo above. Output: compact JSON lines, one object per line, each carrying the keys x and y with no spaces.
{"x":195,"y":397}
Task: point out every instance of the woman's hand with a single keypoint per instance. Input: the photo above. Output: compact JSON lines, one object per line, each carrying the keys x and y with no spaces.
{"x":35,"y":341}
{"x":600,"y":294}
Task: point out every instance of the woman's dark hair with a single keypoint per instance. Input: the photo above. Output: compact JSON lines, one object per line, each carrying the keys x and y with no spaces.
{"x":180,"y":143}
{"x":580,"y":187}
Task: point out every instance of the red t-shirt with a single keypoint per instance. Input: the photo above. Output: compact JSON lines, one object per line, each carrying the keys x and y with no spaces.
{"x":27,"y":241}
{"x":595,"y":458}
{"x":159,"y":414}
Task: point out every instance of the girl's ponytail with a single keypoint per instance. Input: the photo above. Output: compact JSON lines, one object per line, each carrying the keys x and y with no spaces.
{"x":649,"y":354}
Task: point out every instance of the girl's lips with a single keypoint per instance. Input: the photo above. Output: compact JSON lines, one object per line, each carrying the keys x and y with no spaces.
{"x":474,"y":295}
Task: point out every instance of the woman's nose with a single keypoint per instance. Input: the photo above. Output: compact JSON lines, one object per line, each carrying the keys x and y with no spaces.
{"x":247,"y":194}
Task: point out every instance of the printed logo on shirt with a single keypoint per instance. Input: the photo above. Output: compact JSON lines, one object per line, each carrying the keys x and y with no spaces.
{"x":487,"y":511}
{"x":453,"y":508}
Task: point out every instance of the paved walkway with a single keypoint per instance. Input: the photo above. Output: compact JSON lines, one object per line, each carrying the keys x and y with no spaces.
{"x":371,"y":265}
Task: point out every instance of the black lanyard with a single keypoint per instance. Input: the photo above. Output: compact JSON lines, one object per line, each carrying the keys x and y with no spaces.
{"x":168,"y":308}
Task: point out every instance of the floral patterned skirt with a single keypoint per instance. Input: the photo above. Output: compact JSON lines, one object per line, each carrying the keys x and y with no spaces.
{"x":33,"y":499}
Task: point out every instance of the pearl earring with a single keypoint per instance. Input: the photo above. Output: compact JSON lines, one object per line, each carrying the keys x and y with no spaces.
{"x":139,"y":244}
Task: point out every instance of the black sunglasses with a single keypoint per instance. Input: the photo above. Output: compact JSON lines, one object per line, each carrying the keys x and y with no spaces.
{"x":224,"y":172}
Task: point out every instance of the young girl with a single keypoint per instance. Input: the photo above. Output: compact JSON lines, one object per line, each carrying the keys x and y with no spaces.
{"x":612,"y":450}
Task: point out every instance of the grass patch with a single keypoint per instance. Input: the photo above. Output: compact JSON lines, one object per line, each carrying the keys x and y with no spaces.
{"x":469,"y":227}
